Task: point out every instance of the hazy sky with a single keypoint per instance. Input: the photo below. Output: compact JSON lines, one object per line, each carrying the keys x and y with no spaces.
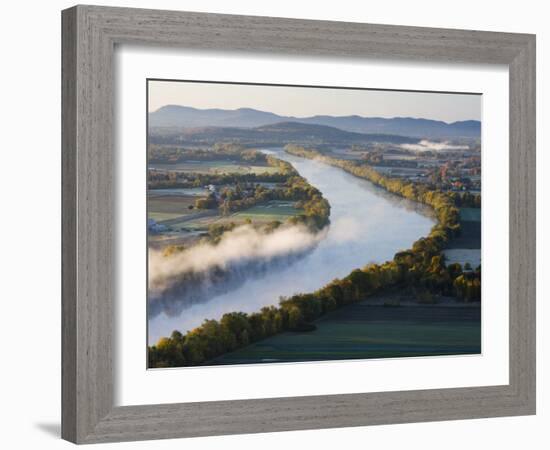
{"x":304,"y":102}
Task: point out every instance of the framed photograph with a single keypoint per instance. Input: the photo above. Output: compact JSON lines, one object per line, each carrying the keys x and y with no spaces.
{"x":278,"y":224}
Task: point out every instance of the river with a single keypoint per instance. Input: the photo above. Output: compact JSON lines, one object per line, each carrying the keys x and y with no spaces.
{"x":367,"y":225}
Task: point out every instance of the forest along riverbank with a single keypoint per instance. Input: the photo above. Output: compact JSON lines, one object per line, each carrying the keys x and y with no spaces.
{"x":367,"y":225}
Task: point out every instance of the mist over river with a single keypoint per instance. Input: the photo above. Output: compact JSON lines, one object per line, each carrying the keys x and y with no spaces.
{"x":367,"y":225}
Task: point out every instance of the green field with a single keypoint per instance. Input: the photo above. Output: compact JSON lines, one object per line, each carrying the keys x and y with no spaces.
{"x":362,"y":331}
{"x":259,"y":214}
{"x":180,"y":218}
{"x":470,"y":230}
{"x":214,"y":167}
{"x":196,"y":224}
{"x":178,"y":192}
{"x":470,"y":214}
{"x":274,"y":210}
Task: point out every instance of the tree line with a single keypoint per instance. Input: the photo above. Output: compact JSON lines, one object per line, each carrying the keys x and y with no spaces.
{"x":157,"y":179}
{"x":164,"y":179}
{"x":220,"y":151}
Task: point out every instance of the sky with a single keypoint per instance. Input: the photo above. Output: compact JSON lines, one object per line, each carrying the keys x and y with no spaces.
{"x":306,"y":101}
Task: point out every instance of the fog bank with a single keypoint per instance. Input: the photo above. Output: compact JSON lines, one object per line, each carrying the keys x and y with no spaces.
{"x":244,"y":243}
{"x":425,"y":145}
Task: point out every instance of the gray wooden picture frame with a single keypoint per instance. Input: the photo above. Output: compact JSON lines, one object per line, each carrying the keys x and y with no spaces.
{"x":90,"y":34}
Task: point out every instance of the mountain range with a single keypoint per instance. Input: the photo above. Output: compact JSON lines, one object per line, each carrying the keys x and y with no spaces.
{"x":177,"y":116}
{"x":278,"y":133}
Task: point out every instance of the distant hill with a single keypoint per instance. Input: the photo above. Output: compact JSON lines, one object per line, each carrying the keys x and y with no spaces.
{"x":187,"y":117}
{"x":297,"y":130}
{"x":277,"y":133}
{"x":406,"y":126}
{"x":184,"y":116}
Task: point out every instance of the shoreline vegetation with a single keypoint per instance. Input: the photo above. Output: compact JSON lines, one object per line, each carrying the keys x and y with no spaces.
{"x":246,"y":190}
{"x":420,"y":271}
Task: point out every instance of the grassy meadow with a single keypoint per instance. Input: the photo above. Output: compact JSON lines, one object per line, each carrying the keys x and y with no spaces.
{"x":470,"y":230}
{"x":273,"y":210}
{"x":363,"y":331}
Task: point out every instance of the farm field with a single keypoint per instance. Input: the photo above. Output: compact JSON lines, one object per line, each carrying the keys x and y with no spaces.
{"x":160,"y":241}
{"x":167,"y":207}
{"x":389,"y":170}
{"x":274,"y":210}
{"x":470,"y":230}
{"x":346,"y":153}
{"x":197,"y":221}
{"x":363,"y":331}
{"x":213,"y":167}
{"x":259,"y":214}
{"x":463,"y":256}
{"x":174,"y":212}
{"x":195,"y":192}
{"x":470,"y":214}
